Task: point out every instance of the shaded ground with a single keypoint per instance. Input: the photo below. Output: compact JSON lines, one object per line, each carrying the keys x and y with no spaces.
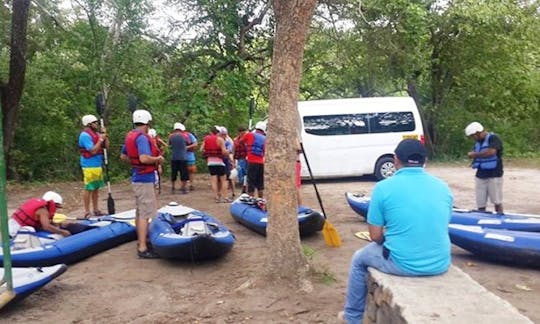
{"x":117,"y":287}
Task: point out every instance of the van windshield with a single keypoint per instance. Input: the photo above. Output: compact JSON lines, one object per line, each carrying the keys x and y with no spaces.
{"x":363,"y":123}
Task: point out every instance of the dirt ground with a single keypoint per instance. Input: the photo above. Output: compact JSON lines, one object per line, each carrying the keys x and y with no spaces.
{"x":117,"y":287}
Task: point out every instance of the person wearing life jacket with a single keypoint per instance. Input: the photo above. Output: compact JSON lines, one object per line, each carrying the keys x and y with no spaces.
{"x":191,"y":158}
{"x":487,"y":160}
{"x":239,"y":155}
{"x":38,"y":214}
{"x":256,"y":146}
{"x":179,"y":140}
{"x":91,"y":145}
{"x":144,"y":157}
{"x":213,"y":149}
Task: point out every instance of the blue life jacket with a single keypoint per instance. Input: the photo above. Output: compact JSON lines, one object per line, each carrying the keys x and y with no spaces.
{"x":485,"y":163}
{"x":257,"y":148}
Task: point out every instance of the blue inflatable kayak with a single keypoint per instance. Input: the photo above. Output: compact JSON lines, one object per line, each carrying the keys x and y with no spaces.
{"x":358,"y":202}
{"x":38,"y":249}
{"x":514,"y":222}
{"x":182,"y":233}
{"x":510,"y":247}
{"x":245,"y":211}
{"x":28,"y":280}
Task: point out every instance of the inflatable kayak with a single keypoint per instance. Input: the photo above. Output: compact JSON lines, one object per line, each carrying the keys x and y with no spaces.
{"x":509,"y":247}
{"x":358,"y":202}
{"x":182,"y":233}
{"x":38,"y":249}
{"x":246,"y":211}
{"x":514,"y":222}
{"x":28,"y":280}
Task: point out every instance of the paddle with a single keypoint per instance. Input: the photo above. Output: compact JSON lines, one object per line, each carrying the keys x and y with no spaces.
{"x":330,"y":234}
{"x":100,"y":109}
{"x":251,"y":109}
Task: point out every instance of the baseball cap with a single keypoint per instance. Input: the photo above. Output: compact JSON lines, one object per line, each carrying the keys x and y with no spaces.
{"x":179,"y":126}
{"x":411,"y":152}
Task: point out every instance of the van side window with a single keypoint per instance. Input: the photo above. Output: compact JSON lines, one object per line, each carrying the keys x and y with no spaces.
{"x":365,"y":123}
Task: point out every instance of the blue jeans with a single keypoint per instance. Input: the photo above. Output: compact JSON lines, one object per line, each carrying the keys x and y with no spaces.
{"x":241,"y":167}
{"x":370,"y":256}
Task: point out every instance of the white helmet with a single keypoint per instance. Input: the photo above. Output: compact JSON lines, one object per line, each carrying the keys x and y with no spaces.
{"x":51,"y":195}
{"x":88,"y":119}
{"x":473,"y":128}
{"x":179,"y":126}
{"x":152,"y":132}
{"x":261,"y":125}
{"x":141,"y":116}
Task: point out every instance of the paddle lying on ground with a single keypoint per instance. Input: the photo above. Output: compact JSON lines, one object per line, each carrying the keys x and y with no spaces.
{"x":330,"y":234}
{"x":100,"y":109}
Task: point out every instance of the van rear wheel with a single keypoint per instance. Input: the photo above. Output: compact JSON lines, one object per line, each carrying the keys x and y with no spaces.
{"x":384,"y":168}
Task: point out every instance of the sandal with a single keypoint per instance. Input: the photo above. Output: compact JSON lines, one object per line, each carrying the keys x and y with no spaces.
{"x":87,"y":215}
{"x":98,"y":213}
{"x":226,"y":200}
{"x":217,"y":200}
{"x":147,"y":254}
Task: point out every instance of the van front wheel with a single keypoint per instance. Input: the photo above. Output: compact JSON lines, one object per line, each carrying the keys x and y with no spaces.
{"x":384,"y":168}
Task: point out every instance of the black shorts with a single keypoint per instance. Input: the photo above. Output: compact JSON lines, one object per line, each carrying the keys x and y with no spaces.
{"x":216,"y":170}
{"x":255,"y":176}
{"x":179,"y":166}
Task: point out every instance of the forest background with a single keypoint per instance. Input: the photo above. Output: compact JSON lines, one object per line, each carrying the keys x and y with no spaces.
{"x":203,"y":61}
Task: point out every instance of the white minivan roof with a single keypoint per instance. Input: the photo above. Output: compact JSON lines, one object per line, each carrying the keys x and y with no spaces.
{"x":353,"y":105}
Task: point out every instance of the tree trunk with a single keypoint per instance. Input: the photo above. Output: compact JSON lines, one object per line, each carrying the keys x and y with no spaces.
{"x":285,"y":259}
{"x":11,"y":92}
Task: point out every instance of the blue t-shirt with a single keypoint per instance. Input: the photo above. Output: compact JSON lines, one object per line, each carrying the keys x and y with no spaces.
{"x":415,"y":208}
{"x":178,"y":147}
{"x":95,"y":161}
{"x":143,"y":147}
{"x":190,"y":156}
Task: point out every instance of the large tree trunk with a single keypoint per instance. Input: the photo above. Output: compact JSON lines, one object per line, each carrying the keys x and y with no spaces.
{"x":12,"y":91}
{"x":285,"y":258}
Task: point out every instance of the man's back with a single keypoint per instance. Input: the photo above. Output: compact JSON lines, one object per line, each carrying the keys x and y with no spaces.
{"x":178,"y":146}
{"x":415,"y":209}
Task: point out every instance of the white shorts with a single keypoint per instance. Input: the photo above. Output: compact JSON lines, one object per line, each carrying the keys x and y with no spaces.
{"x":489,"y":187}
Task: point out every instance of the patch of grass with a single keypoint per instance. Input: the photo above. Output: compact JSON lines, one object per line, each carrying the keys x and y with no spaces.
{"x":318,"y":269}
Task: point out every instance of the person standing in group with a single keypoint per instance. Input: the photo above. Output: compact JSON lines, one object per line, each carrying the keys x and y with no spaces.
{"x":228,"y":159}
{"x":91,"y":145}
{"x":191,"y":158}
{"x":487,"y":160}
{"x":37,"y":213}
{"x":179,"y":142}
{"x":409,"y":233}
{"x":298,"y":172}
{"x":256,"y":146}
{"x":213,"y":149}
{"x":141,"y":152}
{"x":161,"y":145}
{"x":239,"y":155}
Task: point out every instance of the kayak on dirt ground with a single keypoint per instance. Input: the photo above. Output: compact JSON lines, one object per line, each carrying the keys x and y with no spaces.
{"x":510,"y":221}
{"x":28,"y":280}
{"x":89,"y":236}
{"x":183,"y":233}
{"x":510,"y":247}
{"x":251,"y":212}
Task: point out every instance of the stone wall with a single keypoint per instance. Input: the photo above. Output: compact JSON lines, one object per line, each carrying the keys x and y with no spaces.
{"x":450,"y":298}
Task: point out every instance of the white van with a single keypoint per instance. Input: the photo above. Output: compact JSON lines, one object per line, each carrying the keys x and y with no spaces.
{"x":353,"y":137}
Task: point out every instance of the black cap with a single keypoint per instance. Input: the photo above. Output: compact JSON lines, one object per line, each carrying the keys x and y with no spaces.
{"x":411,"y":152}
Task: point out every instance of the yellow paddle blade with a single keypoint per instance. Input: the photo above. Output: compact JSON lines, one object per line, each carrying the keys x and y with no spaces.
{"x":331,"y":235}
{"x":6,"y":297}
{"x":59,"y":218}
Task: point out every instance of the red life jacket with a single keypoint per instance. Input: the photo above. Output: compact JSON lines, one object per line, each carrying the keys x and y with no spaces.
{"x":211,"y":147}
{"x":95,"y":138}
{"x":25,"y":215}
{"x":133,"y":152}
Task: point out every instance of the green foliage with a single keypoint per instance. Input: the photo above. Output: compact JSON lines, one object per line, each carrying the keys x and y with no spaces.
{"x":463,"y":60}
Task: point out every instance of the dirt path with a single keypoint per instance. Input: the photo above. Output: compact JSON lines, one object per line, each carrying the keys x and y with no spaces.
{"x":116,"y":287}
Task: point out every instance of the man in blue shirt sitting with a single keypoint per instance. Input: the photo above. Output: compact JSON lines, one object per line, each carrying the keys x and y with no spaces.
{"x":408,"y":224}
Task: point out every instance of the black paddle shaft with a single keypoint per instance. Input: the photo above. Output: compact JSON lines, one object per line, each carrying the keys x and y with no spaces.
{"x":313,"y":180}
{"x":100,"y":109}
